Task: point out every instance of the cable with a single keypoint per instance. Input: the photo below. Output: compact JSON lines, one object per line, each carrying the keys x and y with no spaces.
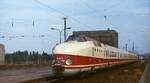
{"x":65,"y":15}
{"x":109,"y":21}
{"x":26,"y":36}
{"x":88,"y":6}
{"x":37,"y":1}
{"x":106,"y":9}
{"x":113,"y":5}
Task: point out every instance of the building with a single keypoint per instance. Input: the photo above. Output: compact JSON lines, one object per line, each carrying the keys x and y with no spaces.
{"x":2,"y":54}
{"x":109,"y":37}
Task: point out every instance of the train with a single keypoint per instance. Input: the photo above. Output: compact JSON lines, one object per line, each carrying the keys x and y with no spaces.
{"x":80,"y":53}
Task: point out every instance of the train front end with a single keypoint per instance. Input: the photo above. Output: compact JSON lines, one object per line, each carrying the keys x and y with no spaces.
{"x":67,"y":56}
{"x":61,"y":65}
{"x":63,"y":59}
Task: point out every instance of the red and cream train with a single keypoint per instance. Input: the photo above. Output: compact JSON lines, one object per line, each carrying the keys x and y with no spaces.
{"x":80,"y":53}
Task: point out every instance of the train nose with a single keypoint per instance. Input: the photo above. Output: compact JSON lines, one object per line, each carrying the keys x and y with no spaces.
{"x":65,"y":48}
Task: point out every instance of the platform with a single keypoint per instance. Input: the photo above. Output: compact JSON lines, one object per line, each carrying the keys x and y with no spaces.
{"x":19,"y":75}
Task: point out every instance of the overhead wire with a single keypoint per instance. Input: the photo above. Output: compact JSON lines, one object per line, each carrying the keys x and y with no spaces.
{"x":88,"y":6}
{"x":44,"y":5}
{"x":24,"y":36}
{"x":113,"y":5}
{"x":105,"y":9}
{"x":58,"y":11}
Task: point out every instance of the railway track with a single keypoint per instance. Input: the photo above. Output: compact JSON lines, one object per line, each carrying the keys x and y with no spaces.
{"x":48,"y":79}
{"x":56,"y":80}
{"x":80,"y":76}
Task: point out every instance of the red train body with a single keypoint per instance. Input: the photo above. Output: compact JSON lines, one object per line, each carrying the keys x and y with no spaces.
{"x":80,"y":53}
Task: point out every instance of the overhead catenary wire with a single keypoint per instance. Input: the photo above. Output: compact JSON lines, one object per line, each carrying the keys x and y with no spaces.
{"x":33,"y":22}
{"x":113,"y":5}
{"x":108,"y":8}
{"x":108,"y":21}
{"x":44,"y":5}
{"x":24,"y":36}
{"x":56,"y":10}
{"x":14,"y":21}
{"x":88,"y":6}
{"x":62,"y":13}
{"x":105,"y":9}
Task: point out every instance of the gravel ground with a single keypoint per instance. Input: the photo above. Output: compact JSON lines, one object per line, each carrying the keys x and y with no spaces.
{"x":130,"y":73}
{"x":146,"y":75}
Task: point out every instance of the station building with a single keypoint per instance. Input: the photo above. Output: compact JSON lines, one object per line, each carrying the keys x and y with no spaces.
{"x":2,"y":54}
{"x":109,"y":37}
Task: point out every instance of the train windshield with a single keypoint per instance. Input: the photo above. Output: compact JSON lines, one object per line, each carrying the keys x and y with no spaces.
{"x":79,"y":38}
{"x":74,"y":38}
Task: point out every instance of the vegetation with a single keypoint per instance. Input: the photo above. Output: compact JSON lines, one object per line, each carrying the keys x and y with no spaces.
{"x":25,"y":57}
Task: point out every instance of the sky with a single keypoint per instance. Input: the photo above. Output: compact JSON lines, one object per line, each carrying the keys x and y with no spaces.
{"x":131,"y":18}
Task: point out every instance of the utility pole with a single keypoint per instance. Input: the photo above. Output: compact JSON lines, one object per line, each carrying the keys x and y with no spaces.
{"x":126,"y":47}
{"x":33,"y":23}
{"x":65,"y":25}
{"x":12,"y":23}
{"x":105,"y":17}
{"x":133,"y":48}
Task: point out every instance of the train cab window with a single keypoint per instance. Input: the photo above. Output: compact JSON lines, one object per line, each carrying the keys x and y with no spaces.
{"x":80,"y":38}
{"x":73,"y":38}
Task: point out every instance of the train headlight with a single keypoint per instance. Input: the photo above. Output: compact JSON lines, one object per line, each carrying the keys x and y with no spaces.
{"x":68,"y":61}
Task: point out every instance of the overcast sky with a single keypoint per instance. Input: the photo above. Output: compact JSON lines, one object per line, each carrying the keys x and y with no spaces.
{"x":131,"y":18}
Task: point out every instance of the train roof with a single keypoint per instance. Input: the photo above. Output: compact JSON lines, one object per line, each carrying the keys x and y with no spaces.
{"x":83,"y":38}
{"x":118,"y":50}
{"x":115,"y":49}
